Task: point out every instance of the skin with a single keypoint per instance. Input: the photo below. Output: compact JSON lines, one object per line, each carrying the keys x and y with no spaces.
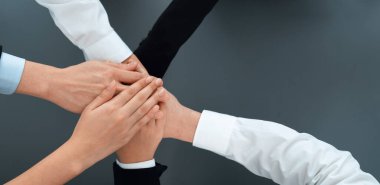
{"x":144,"y":144}
{"x":74,"y":87}
{"x":105,"y":125}
{"x":178,"y":122}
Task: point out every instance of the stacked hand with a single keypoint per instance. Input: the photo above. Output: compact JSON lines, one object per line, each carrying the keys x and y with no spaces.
{"x":131,"y":120}
{"x":144,"y":144}
{"x":73,"y":88}
{"x":107,"y":123}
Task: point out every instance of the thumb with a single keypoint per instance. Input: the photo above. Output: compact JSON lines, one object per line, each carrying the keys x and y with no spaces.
{"x":103,"y":97}
{"x":161,"y":117}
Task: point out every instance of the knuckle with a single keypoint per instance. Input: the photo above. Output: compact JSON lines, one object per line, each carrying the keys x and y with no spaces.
{"x":130,"y":91}
{"x":139,"y":113}
{"x":119,"y":118}
{"x":111,"y":108}
{"x":140,"y":98}
{"x":144,"y":109}
{"x":109,"y":73}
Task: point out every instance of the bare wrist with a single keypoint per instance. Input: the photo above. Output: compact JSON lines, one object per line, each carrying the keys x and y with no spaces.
{"x":36,"y":80}
{"x":187,"y":126}
{"x":81,"y":157}
{"x":128,"y":160}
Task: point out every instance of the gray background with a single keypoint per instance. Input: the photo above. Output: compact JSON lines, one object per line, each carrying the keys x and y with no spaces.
{"x":312,"y":65}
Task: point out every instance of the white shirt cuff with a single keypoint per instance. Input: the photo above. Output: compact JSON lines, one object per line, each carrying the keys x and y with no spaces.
{"x":214,"y":131}
{"x":110,"y":48}
{"x":11,"y":69}
{"x":139,"y":165}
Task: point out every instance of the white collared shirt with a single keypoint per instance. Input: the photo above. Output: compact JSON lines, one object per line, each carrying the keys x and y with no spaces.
{"x":86,"y":24}
{"x":277,"y":152}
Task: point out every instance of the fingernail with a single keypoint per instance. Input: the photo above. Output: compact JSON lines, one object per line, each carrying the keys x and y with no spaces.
{"x":161,"y":92}
{"x":133,"y":62}
{"x":158,"y":81}
{"x":149,"y":79}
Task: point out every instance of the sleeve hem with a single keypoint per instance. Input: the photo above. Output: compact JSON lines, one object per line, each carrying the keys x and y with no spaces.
{"x":11,"y":69}
{"x":139,"y":165}
{"x":110,"y":48}
{"x":214,"y":132}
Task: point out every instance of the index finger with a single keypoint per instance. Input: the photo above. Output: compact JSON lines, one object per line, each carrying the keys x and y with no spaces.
{"x":127,"y":94}
{"x":128,"y":77}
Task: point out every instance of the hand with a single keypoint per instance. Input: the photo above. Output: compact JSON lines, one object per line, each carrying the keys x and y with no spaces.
{"x":140,"y":68}
{"x":106,"y":124}
{"x":181,"y":122}
{"x":144,"y":144}
{"x":73,"y":88}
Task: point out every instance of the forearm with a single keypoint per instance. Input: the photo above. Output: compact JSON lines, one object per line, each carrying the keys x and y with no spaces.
{"x":58,"y":168}
{"x":278,"y":152}
{"x":36,"y":79}
{"x":173,"y":28}
{"x":86,"y":24}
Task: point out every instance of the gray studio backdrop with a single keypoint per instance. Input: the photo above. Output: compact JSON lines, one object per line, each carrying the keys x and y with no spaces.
{"x":312,"y":65}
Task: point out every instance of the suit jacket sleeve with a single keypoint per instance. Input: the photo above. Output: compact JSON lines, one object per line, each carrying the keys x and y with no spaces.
{"x":175,"y":25}
{"x":147,"y":176}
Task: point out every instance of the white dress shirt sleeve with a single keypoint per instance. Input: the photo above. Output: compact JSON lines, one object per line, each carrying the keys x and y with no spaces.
{"x":277,"y":152}
{"x":11,"y":69}
{"x":85,"y":23}
{"x":139,"y":165}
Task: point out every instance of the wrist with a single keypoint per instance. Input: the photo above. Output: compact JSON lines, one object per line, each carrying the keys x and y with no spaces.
{"x":36,"y":80}
{"x":185,"y":129}
{"x":128,"y":159}
{"x":80,"y":156}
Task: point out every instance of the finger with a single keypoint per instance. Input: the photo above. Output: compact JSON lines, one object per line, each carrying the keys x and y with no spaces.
{"x":164,"y":95}
{"x":145,"y":107}
{"x":136,"y":126}
{"x":103,"y":97}
{"x":126,"y":95}
{"x":132,"y":66}
{"x":128,"y":76}
{"x":121,"y":87}
{"x":151,"y":123}
{"x":141,"y":97}
{"x":160,"y":117}
{"x":140,"y":68}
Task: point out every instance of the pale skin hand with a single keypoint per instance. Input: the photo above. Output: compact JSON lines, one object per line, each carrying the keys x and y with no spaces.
{"x":140,"y":68}
{"x":74,"y":87}
{"x":179,"y":122}
{"x":106,"y":124}
{"x":144,"y":144}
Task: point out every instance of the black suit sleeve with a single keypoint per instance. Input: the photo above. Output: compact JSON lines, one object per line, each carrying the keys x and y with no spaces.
{"x":172,"y":29}
{"x":1,"y":50}
{"x":148,"y":176}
